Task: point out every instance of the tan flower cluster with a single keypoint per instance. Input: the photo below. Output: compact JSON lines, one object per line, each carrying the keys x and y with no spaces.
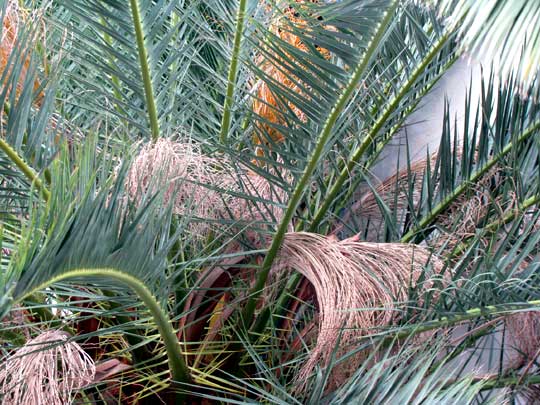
{"x":358,"y":288}
{"x":206,"y":189}
{"x":46,"y":370}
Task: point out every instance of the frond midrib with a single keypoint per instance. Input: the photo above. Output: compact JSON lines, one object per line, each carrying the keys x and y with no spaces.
{"x":145,"y":71}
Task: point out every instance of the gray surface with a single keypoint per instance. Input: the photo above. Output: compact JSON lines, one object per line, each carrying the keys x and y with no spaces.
{"x":424,"y":126}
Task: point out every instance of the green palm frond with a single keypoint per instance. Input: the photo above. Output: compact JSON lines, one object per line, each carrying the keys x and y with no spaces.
{"x":416,"y":379}
{"x":152,"y":180}
{"x":144,"y":65}
{"x":27,"y":97}
{"x":498,"y":134}
{"x":417,"y":382}
{"x":506,"y":31}
{"x":119,"y":228}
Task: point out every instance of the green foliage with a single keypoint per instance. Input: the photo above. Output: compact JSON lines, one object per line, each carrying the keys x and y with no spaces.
{"x":505,"y":30}
{"x":195,"y":314}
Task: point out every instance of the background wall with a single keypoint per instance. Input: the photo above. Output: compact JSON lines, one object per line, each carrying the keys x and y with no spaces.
{"x":423,"y":128}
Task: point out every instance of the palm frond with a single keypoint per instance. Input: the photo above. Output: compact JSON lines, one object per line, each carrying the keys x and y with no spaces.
{"x":470,"y":169}
{"x":408,"y":376}
{"x":119,"y":227}
{"x":147,"y":88}
{"x":505,"y":32}
{"x":26,"y":101}
{"x":257,"y":119}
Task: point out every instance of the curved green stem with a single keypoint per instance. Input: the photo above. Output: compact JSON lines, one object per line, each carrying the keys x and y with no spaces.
{"x":322,"y":140}
{"x":26,"y":169}
{"x":145,"y":71}
{"x":233,"y":71}
{"x":368,"y":140}
{"x":445,"y":203}
{"x":177,"y":366}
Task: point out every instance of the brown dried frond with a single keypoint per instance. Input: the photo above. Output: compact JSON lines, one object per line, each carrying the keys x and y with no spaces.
{"x":14,"y":17}
{"x":359,"y":287}
{"x":386,"y":190}
{"x":46,"y":370}
{"x":203,"y":187}
{"x":189,"y":177}
{"x":265,"y":104}
{"x":465,"y":215}
{"x":480,"y":214}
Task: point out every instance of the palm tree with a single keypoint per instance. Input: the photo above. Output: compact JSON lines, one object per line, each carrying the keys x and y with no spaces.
{"x":188,"y":213}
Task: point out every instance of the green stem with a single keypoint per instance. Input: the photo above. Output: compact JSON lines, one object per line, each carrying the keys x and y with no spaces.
{"x":145,"y":70}
{"x":528,"y":203}
{"x":177,"y":366}
{"x":233,"y":71}
{"x":26,"y":169}
{"x":471,"y":314}
{"x":314,"y":161}
{"x":139,"y":354}
{"x":502,"y":382}
{"x":368,"y":140}
{"x":445,"y":203}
